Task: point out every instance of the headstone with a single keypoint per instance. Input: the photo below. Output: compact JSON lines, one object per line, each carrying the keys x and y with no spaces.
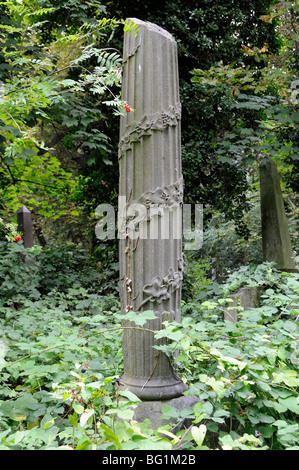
{"x":275,"y":232}
{"x":245,"y":297}
{"x":24,"y":222}
{"x":151,"y":191}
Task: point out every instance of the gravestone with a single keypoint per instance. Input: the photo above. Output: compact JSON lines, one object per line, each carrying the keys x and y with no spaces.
{"x":275,"y":232}
{"x":246,"y":298}
{"x":150,"y":201}
{"x":24,"y":222}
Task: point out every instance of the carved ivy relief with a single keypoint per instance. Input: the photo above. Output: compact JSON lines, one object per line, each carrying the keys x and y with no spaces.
{"x":148,"y":124}
{"x":161,"y":288}
{"x":168,"y":196}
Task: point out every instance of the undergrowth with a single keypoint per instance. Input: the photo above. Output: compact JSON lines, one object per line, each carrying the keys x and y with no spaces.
{"x":60,"y":358}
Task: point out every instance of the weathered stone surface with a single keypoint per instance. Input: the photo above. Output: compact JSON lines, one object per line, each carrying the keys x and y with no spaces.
{"x":150,"y":188}
{"x":152,"y":410}
{"x":25,"y":226}
{"x":246,"y":297}
{"x":275,"y":233}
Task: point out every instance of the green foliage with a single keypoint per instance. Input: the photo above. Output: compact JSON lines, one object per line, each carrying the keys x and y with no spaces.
{"x":245,"y":373}
{"x":19,"y":275}
{"x":225,"y":249}
{"x":60,"y":358}
{"x":206,"y":33}
{"x":130,"y":27}
{"x":261,"y":112}
{"x":57,"y":80}
{"x":17,"y":279}
{"x":254,"y":98}
{"x":60,"y":321}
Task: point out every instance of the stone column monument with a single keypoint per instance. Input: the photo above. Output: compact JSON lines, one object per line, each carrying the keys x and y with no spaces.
{"x":275,"y":232}
{"x":151,"y":191}
{"x":24,"y":222}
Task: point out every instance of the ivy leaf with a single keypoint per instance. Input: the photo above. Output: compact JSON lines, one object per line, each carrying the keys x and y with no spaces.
{"x":140,"y":318}
{"x":198,"y":434}
{"x":172,"y":335}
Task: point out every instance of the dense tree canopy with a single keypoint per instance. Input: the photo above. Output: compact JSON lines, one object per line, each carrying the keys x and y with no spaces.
{"x":209,"y":33}
{"x":61,"y":72}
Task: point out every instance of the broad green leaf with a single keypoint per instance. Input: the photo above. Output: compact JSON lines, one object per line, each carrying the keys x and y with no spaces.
{"x":126,"y":414}
{"x":172,"y":335}
{"x":217,"y":385}
{"x":18,"y":436}
{"x":174,"y":438}
{"x":129,"y":395}
{"x":140,"y":318}
{"x":83,"y":445}
{"x":85,"y":416}
{"x":291,"y":403}
{"x":73,"y":419}
{"x":46,"y":425}
{"x":198,"y":434}
{"x":287,"y":376}
{"x":19,"y":417}
{"x":110,"y":435}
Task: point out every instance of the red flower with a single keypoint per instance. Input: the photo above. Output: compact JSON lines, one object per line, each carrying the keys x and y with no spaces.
{"x":18,"y":238}
{"x":128,"y":108}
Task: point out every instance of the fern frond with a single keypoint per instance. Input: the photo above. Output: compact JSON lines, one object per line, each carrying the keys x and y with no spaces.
{"x":130,"y":27}
{"x":109,"y":60}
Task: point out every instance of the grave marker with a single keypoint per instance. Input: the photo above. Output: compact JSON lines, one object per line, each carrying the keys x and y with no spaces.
{"x":24,"y":222}
{"x":275,"y":232}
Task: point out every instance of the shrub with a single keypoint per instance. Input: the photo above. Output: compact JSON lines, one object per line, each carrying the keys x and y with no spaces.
{"x":60,"y":355}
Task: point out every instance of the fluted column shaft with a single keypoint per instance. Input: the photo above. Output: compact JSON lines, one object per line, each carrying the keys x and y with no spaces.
{"x":151,"y":260}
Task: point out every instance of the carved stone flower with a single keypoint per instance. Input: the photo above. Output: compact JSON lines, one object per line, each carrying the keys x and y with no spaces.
{"x":157,"y":290}
{"x":173,"y":279}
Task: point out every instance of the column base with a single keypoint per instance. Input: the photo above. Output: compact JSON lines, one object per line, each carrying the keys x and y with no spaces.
{"x":154,"y":389}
